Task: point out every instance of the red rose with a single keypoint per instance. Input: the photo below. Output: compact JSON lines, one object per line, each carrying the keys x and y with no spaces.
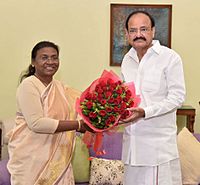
{"x":131,"y":103}
{"x":125,"y":114}
{"x":103,"y":102}
{"x":99,"y":96}
{"x":108,"y":122}
{"x":102,"y":112}
{"x":116,"y":109}
{"x":119,"y":91}
{"x":88,"y":96}
{"x":108,"y":94}
{"x":116,"y":101}
{"x":89,"y":104}
{"x":128,"y":93}
{"x":123,"y":105}
{"x":112,"y":118}
{"x":92,"y":115}
{"x":100,"y":91}
{"x":108,"y":109}
{"x":111,"y":100}
{"x":94,"y":96}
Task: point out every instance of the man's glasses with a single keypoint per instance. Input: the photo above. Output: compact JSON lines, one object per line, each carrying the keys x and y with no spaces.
{"x":142,"y":30}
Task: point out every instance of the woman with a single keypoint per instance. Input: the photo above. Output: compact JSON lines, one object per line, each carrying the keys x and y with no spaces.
{"x":40,"y":149}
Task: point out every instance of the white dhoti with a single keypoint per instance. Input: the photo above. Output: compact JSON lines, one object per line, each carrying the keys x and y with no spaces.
{"x":165,"y":174}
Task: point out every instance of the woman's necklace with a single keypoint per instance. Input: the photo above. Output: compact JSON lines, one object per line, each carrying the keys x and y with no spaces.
{"x":44,"y":83}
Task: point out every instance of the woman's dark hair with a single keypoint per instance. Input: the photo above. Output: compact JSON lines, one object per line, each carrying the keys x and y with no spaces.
{"x":143,"y":12}
{"x":31,"y":69}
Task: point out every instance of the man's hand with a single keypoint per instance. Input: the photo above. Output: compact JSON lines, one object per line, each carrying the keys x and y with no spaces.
{"x":136,"y":113}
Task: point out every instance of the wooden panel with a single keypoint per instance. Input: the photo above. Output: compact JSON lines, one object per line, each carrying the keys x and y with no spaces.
{"x":189,"y":112}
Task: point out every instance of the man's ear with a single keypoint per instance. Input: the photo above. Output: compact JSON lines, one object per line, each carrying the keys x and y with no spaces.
{"x":153,"y":30}
{"x":126,"y":33}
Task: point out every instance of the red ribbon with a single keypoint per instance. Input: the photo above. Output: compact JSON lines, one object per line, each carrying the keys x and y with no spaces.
{"x":94,"y":140}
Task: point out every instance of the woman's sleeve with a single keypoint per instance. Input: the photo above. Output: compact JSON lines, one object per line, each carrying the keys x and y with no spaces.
{"x":30,"y":105}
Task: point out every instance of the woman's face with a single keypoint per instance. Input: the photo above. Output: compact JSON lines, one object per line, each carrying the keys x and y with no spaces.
{"x":46,"y":62}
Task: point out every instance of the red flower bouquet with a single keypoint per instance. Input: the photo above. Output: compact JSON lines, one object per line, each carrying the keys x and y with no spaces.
{"x":106,"y":101}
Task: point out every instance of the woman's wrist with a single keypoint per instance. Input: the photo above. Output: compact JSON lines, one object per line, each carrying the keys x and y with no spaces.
{"x":79,"y":126}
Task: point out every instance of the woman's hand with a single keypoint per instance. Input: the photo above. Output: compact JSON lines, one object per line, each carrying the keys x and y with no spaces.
{"x":84,"y":127}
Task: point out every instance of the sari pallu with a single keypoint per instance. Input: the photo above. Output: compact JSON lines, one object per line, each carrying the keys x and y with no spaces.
{"x":39,"y":158}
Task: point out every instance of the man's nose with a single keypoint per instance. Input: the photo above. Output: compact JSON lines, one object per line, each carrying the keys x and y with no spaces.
{"x":138,"y":33}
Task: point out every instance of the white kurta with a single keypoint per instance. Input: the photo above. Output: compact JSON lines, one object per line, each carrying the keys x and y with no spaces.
{"x":159,"y":81}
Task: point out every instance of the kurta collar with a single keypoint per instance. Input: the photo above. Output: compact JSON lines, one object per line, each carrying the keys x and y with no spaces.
{"x":155,"y":48}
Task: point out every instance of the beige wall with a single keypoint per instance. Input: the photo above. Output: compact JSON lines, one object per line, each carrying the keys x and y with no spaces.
{"x":82,"y":30}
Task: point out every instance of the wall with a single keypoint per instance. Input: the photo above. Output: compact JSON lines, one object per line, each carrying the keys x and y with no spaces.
{"x":82,"y":30}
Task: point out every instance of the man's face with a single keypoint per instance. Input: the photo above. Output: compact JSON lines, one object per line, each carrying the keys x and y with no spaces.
{"x":140,"y":33}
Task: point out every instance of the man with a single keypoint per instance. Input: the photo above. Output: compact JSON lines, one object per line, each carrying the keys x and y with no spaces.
{"x":150,"y":149}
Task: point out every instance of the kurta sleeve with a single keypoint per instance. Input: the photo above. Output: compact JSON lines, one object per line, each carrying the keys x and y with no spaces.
{"x":175,"y":90}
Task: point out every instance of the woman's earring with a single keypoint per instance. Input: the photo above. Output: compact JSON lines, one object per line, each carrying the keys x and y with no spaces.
{"x":32,"y":65}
